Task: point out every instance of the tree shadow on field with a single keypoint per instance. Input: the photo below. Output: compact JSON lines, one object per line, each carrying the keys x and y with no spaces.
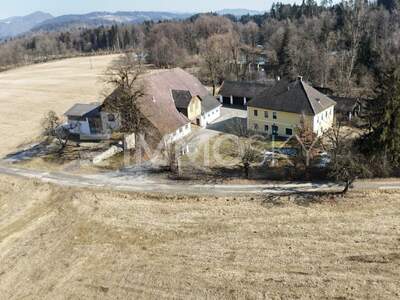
{"x":304,"y":199}
{"x":35,"y":150}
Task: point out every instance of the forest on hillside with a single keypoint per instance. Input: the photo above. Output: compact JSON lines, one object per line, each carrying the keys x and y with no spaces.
{"x":342,"y":46}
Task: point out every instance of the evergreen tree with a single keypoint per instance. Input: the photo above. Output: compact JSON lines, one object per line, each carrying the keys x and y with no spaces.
{"x":383,"y":115}
{"x":390,"y":5}
{"x":284,"y":58}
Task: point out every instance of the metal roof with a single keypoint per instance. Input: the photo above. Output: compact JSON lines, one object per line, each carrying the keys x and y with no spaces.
{"x":81,"y":110}
{"x":208,"y":103}
{"x":244,"y":88}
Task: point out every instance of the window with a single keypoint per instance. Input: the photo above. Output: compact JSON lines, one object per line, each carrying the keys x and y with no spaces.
{"x":255,"y":112}
{"x":255,"y":126}
{"x":266,"y":128}
{"x":275,"y":130}
{"x":266,"y":114}
{"x":187,"y":126}
{"x":274,"y":115}
{"x":289,"y":131}
{"x":111,"y":118}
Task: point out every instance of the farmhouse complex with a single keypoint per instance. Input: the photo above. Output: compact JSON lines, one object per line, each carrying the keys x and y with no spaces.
{"x":173,"y":100}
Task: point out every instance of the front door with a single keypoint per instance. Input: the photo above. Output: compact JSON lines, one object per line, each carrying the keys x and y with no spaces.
{"x":275,"y":130}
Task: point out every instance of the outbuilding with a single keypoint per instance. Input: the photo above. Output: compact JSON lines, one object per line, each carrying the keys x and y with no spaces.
{"x":210,"y":110}
{"x":239,"y":93}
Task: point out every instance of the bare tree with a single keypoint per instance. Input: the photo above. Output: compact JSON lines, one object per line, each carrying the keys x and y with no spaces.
{"x":216,"y":57}
{"x":164,"y":52}
{"x":248,"y":155}
{"x":346,"y":163}
{"x":354,"y":28}
{"x":124,"y":76}
{"x":307,"y":143}
{"x":53,"y":129}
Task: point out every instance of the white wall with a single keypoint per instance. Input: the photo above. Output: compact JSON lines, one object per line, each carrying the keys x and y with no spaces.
{"x":79,"y":127}
{"x":210,"y":116}
{"x":324,"y":120}
{"x":180,"y":133}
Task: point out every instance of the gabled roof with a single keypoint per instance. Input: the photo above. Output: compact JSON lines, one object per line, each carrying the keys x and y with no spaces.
{"x":244,"y":88}
{"x":347,"y":104}
{"x":295,"y":97}
{"x":158,"y":105}
{"x":181,"y":98}
{"x":83,"y":110}
{"x":208,"y":103}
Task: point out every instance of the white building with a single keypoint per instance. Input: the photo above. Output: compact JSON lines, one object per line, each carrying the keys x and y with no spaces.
{"x":210,"y":110}
{"x":88,"y":122}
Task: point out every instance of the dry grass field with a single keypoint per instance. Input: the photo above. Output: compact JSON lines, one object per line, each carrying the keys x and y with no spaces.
{"x":58,"y":243}
{"x":27,"y":93}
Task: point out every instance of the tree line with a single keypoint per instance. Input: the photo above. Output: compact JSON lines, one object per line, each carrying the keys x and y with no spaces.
{"x":341,"y":46}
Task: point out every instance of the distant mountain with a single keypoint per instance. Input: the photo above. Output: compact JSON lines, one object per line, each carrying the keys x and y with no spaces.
{"x":16,"y":25}
{"x":95,"y":19}
{"x":239,"y":12}
{"x":40,"y":21}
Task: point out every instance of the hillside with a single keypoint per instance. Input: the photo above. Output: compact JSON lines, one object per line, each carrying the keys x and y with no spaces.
{"x":16,"y":25}
{"x":238,"y":12}
{"x":27,"y":93}
{"x":40,"y":21}
{"x":96,"y":19}
{"x":93,"y":244}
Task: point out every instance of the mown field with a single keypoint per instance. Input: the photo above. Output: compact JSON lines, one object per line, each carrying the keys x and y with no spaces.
{"x":63,"y":243}
{"x":27,"y":93}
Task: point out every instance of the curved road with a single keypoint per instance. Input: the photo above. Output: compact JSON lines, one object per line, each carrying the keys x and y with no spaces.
{"x":121,"y":181}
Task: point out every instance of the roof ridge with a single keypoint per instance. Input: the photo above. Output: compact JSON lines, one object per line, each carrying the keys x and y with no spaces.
{"x":308,"y":98}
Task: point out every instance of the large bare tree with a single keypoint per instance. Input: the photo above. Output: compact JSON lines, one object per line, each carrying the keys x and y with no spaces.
{"x":124,"y":77}
{"x":216,"y":57}
{"x":346,"y":164}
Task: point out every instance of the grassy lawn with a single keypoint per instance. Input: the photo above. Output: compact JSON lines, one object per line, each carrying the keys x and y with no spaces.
{"x":106,"y":245}
{"x":28,"y":93}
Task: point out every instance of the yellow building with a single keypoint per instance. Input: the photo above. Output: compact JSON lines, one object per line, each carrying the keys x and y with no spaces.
{"x":188,"y":105}
{"x":279,"y":110}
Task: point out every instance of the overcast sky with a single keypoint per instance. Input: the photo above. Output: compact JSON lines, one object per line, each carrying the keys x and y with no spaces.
{"x":10,"y":8}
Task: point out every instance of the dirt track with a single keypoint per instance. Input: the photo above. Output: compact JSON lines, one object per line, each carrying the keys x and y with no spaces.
{"x":82,"y":244}
{"x":27,"y":93}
